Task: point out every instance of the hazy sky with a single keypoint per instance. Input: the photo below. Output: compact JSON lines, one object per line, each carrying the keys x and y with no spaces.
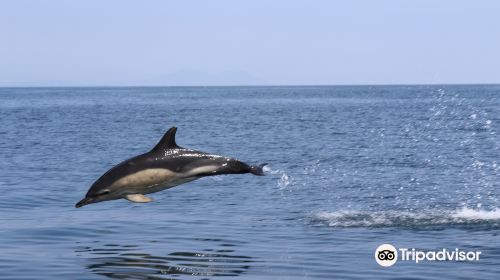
{"x":102,"y":42}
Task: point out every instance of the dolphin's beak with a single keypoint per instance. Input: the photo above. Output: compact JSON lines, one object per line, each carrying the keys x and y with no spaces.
{"x":84,"y":202}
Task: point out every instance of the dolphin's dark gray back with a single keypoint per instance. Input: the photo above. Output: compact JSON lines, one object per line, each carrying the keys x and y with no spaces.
{"x":178,"y":159}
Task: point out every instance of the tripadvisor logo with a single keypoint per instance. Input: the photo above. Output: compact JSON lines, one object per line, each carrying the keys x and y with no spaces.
{"x":387,"y":255}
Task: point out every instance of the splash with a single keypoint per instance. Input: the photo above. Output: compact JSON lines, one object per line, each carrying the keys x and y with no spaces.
{"x":284,"y":182}
{"x":267,"y":169}
{"x":463,"y":216}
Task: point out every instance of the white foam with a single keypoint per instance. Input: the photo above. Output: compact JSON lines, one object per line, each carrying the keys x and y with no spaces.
{"x":461,"y":216}
{"x":472,"y":214}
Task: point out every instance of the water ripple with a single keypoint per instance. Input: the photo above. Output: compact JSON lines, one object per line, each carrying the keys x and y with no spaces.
{"x":130,"y":262}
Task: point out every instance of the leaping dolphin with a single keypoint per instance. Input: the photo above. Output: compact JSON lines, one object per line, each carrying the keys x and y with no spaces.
{"x":165,"y":166}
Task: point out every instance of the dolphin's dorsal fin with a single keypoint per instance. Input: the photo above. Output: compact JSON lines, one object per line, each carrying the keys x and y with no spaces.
{"x":167,"y":142}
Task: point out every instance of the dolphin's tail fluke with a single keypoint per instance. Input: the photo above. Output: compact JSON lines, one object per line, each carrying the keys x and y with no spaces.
{"x":258,"y":169}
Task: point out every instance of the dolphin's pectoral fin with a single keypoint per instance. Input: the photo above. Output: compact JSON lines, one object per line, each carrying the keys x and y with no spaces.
{"x":139,"y":198}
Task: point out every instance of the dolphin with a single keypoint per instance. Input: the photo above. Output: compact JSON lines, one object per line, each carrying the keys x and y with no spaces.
{"x":165,"y":166}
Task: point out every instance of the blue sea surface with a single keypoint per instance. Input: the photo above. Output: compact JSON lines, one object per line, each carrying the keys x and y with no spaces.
{"x":350,"y":168}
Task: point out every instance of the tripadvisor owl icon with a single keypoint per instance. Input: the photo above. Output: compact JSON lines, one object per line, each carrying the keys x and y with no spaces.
{"x":386,"y":255}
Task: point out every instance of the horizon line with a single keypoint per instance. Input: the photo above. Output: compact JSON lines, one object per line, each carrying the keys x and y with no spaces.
{"x":250,"y":85}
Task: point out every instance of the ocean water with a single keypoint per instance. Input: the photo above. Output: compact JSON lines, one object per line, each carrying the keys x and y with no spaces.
{"x":350,"y":168}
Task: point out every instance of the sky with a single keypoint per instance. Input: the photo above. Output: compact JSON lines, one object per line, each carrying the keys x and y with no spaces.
{"x":248,"y":42}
